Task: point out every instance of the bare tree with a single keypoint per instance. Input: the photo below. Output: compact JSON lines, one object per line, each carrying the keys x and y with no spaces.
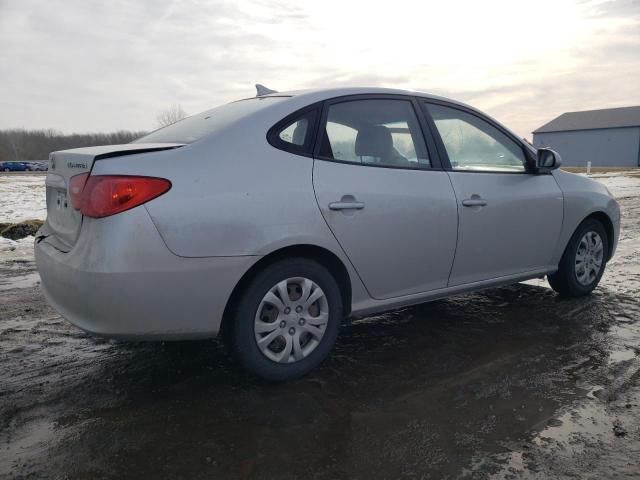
{"x":171,"y":115}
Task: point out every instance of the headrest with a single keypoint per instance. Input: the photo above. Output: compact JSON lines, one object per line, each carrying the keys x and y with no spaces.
{"x":374,"y":141}
{"x":299,"y":133}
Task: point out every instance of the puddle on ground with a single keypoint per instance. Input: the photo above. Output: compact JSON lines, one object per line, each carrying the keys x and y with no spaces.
{"x":457,"y":384}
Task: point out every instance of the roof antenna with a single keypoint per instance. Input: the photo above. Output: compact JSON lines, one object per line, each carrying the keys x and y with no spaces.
{"x":262,"y":90}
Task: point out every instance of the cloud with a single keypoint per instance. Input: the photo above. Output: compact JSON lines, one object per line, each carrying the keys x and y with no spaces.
{"x":87,"y":65}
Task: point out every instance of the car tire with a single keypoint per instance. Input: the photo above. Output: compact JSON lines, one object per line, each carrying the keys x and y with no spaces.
{"x":290,"y":345}
{"x":581,"y":254}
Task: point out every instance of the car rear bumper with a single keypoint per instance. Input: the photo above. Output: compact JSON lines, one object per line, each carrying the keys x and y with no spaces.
{"x":120,"y":281}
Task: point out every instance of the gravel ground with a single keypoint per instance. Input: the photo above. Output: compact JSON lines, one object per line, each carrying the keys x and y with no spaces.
{"x":506,"y":383}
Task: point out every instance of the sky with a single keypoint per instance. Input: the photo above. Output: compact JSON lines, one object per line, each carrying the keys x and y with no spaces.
{"x":98,"y":66}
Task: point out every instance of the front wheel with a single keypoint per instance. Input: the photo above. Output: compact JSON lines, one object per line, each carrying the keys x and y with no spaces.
{"x":583,"y":261}
{"x":287,"y":319}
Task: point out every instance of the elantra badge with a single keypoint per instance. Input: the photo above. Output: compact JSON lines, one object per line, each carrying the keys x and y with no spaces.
{"x":76,"y":165}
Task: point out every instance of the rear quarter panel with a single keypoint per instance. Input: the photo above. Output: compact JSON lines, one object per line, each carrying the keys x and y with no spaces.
{"x":237,"y":199}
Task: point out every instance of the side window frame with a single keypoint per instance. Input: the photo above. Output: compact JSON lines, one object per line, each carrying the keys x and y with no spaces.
{"x":529,"y":164}
{"x":424,"y":130}
{"x":306,"y":149}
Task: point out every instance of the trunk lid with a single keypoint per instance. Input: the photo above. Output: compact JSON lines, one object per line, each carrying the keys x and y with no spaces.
{"x":63,"y":221}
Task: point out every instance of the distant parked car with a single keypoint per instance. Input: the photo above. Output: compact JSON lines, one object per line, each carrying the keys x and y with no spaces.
{"x":38,"y":166}
{"x":14,"y":167}
{"x":270,"y":219}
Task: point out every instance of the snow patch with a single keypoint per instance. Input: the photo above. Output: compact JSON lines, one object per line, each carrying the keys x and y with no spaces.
{"x":22,"y":197}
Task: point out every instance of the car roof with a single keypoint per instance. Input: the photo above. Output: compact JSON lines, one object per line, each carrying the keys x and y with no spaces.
{"x":319,"y":94}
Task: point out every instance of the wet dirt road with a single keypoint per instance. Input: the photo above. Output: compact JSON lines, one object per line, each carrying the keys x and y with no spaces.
{"x":507,"y":383}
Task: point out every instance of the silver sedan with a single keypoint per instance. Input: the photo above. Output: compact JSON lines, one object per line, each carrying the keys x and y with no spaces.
{"x":271,"y":219}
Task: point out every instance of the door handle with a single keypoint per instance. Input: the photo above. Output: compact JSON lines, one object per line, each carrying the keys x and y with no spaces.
{"x":474,"y":201}
{"x":346,"y":206}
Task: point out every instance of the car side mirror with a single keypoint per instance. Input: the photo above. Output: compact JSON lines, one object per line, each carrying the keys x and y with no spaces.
{"x":547,"y":160}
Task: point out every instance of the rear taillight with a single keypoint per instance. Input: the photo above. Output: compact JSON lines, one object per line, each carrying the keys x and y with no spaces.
{"x":105,"y":195}
{"x":76,"y":185}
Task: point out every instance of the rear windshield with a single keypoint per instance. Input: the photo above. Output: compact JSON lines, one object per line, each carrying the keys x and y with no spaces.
{"x":202,"y":124}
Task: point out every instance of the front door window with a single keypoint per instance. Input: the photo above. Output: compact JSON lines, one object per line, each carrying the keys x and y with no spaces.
{"x":475,"y":145}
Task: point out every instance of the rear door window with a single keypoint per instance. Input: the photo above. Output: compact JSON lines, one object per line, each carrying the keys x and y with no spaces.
{"x":376,"y":132}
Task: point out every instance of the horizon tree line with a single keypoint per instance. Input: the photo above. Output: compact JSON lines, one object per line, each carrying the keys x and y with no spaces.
{"x":23,"y":144}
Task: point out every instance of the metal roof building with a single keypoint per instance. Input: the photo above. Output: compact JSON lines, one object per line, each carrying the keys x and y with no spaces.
{"x":607,"y":138}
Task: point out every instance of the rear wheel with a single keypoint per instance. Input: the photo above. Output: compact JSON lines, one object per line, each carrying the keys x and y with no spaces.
{"x":287,"y":320}
{"x":583,"y":261}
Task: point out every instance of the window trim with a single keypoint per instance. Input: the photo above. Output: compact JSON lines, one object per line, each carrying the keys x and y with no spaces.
{"x":430,"y":145}
{"x":529,"y":161}
{"x":306,"y":149}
